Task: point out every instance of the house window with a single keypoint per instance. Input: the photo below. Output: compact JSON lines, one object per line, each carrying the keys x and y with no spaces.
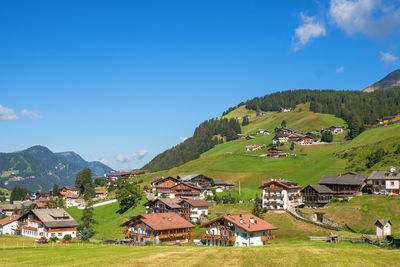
{"x":251,"y":234}
{"x":244,"y":235}
{"x":59,"y":234}
{"x":392,"y":183}
{"x":53,"y":234}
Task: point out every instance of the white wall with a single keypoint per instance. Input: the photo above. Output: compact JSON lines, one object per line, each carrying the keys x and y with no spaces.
{"x":9,"y":229}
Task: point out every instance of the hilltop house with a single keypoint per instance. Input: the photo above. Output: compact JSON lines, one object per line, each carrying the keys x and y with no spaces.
{"x":221,"y":185}
{"x":160,"y":228}
{"x":383,"y":228}
{"x":282,"y":109}
{"x":264,"y":132}
{"x":305,"y":140}
{"x":333,"y":129}
{"x":198,"y":180}
{"x":8,"y":225}
{"x":345,"y":185}
{"x":280,"y":138}
{"x":47,"y":223}
{"x":111,"y":179}
{"x":162,"y":185}
{"x":279,"y":195}
{"x":254,"y":147}
{"x":316,"y":195}
{"x":385,"y":182}
{"x":238,"y":230}
{"x":185,"y":190}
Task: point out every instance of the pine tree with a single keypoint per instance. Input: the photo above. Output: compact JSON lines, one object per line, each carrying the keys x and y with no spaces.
{"x":87,"y":218}
{"x":256,"y":208}
{"x":85,"y":234}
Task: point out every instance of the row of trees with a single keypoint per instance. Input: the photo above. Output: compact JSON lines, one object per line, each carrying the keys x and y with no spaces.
{"x":206,"y":136}
{"x":355,"y":107}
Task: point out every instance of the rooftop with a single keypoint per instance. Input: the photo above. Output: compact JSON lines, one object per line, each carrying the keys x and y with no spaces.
{"x":247,"y":222}
{"x":350,"y":178}
{"x":160,"y":221}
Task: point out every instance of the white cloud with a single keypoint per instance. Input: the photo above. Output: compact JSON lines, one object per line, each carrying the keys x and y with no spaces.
{"x":369,"y":17}
{"x":340,"y":69}
{"x":32,"y":114}
{"x":7,"y":114}
{"x":309,"y":29}
{"x":182,"y":138}
{"x":135,"y":156}
{"x":388,"y":58}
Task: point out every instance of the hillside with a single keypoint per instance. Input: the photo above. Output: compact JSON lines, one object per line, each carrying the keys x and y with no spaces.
{"x":230,"y":161}
{"x":36,"y":168}
{"x":389,"y":81}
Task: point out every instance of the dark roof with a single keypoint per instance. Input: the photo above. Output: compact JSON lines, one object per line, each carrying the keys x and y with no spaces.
{"x":222,"y":182}
{"x":350,"y":178}
{"x":173,"y":203}
{"x":382,"y":222}
{"x":53,"y":218}
{"x":321,"y":189}
{"x":377,"y":175}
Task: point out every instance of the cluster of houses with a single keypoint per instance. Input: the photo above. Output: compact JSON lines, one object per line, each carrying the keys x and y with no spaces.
{"x":195,"y":186}
{"x":255,"y":147}
{"x":285,"y":135}
{"x":111,"y":179}
{"x":334,"y":130}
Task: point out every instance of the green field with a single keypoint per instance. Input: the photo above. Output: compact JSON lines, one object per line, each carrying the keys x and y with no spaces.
{"x":361,"y":213}
{"x":291,"y":253}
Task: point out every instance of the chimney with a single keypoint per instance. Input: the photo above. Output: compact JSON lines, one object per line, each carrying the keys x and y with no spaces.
{"x":392,"y":169}
{"x":252,"y":220}
{"x":169,"y":218}
{"x":241,"y":221}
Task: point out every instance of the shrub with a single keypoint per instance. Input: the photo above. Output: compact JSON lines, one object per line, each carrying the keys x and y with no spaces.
{"x":148,"y":243}
{"x":67,"y":237}
{"x":53,"y":239}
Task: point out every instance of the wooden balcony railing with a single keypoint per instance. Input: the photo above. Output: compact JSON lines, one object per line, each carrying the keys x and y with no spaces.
{"x":219,"y":237}
{"x":267,"y":237}
{"x":60,"y":229}
{"x":133,"y":234}
{"x":173,"y":235}
{"x":226,"y":228}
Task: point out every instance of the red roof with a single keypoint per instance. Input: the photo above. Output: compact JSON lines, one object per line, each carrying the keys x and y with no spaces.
{"x":40,"y":205}
{"x":257,"y":225}
{"x":43,"y":199}
{"x":9,"y":219}
{"x":161,"y":221}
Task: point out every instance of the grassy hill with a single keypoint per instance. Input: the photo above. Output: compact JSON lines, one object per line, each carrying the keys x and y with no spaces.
{"x":230,"y":161}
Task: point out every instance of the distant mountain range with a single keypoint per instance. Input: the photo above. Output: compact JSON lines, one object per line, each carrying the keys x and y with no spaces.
{"x":389,"y":81}
{"x":38,"y":168}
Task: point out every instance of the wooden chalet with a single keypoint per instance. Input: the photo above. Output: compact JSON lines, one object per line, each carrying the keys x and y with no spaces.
{"x":163,"y":205}
{"x":68,"y":190}
{"x":274,"y":150}
{"x":185,"y":190}
{"x":160,"y":228}
{"x":345,"y":185}
{"x":238,"y":230}
{"x":221,"y":185}
{"x":47,"y":223}
{"x":112,"y":178}
{"x":316,"y":195}
{"x":198,"y":180}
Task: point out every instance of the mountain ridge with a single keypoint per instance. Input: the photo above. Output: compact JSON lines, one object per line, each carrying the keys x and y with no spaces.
{"x":389,"y":81}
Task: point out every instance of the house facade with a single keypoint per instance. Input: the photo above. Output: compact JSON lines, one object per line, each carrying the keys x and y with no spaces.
{"x":193,"y":209}
{"x":316,"y":195}
{"x":47,"y":223}
{"x":238,"y":230}
{"x":385,"y":182}
{"x":163,"y":205}
{"x":279,"y":195}
{"x":159,"y":228}
{"x":9,"y":225}
{"x":345,"y":185}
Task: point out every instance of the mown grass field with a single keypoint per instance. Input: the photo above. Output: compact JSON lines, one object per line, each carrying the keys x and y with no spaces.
{"x":290,"y":253}
{"x":361,"y":213}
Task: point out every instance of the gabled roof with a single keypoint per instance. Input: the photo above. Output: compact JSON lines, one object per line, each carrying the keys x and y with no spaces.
{"x":53,"y":218}
{"x":196,"y":202}
{"x":9,"y":219}
{"x":160,"y":221}
{"x":321,"y":189}
{"x":382,"y":222}
{"x":166,"y":178}
{"x":283,"y":183}
{"x":70,"y":188}
{"x":188,"y":185}
{"x":172,"y":203}
{"x":350,"y":178}
{"x":258,"y":225}
{"x":377,"y":175}
{"x":222,"y":182}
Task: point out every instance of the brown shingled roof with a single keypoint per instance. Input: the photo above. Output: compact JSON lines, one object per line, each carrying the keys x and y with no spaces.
{"x":258,"y":225}
{"x":197,"y":202}
{"x":161,"y":221}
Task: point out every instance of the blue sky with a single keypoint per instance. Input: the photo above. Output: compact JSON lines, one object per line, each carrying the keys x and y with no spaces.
{"x":121,"y":81}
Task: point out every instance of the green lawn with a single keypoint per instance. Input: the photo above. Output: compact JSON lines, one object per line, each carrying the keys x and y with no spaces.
{"x":108,"y":219}
{"x":290,"y":253}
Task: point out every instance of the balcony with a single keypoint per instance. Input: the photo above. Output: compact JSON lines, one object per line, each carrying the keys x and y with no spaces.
{"x":133,"y":234}
{"x":219,"y":237}
{"x":267,"y":237}
{"x":174,"y":235}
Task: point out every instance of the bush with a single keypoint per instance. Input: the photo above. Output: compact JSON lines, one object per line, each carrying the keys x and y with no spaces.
{"x":67,"y":237}
{"x":53,"y":239}
{"x":148,"y":243}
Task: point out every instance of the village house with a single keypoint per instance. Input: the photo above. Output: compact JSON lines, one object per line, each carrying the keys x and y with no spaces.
{"x":221,"y":185}
{"x":385,"y":182}
{"x":8,"y":225}
{"x":282,"y":109}
{"x":280,"y":138}
{"x":198,"y":180}
{"x":10,"y":209}
{"x":279,"y":195}
{"x":241,"y":135}
{"x":334,"y":130}
{"x":185,"y":190}
{"x":161,"y":186}
{"x":250,"y":137}
{"x":159,"y":228}
{"x":163,"y":205}
{"x":385,"y":120}
{"x":74,"y":201}
{"x":194,"y":209}
{"x":383,"y":228}
{"x":238,"y":230}
{"x":345,"y":185}
{"x":254,"y":147}
{"x":43,"y":194}
{"x":69,"y":190}
{"x":316,"y":195}
{"x":101,"y":193}
{"x":306,"y":140}
{"x":47,"y":223}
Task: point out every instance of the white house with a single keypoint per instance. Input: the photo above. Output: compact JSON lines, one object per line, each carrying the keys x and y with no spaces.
{"x":194,"y":208}
{"x":385,"y":182}
{"x":8,"y":225}
{"x":383,"y":228}
{"x":279,"y":195}
{"x":47,"y":223}
{"x":238,"y":230}
{"x":74,"y":201}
